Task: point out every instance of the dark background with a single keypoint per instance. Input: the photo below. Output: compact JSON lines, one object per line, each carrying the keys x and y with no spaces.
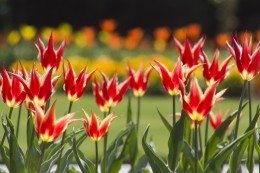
{"x":213,"y":15}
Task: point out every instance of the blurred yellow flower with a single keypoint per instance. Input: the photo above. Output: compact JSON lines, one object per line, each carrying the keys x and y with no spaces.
{"x":13,"y":37}
{"x":66,"y":31}
{"x":28,"y":32}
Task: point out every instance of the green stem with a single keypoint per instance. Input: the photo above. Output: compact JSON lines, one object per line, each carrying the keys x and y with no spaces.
{"x":105,"y":146}
{"x":47,"y":105}
{"x":62,"y":142}
{"x":173,"y":110}
{"x":18,"y":121}
{"x":196,"y":146}
{"x":249,"y":103}
{"x":9,"y":116}
{"x":41,"y":158}
{"x":138,"y":112}
{"x":200,"y":140}
{"x":206,"y":130}
{"x":32,"y":135}
{"x":239,"y":109}
{"x":96,"y":144}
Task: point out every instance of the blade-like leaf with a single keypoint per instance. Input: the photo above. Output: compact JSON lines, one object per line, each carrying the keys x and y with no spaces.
{"x":116,"y":158}
{"x":217,"y":137}
{"x":175,"y":142}
{"x":47,"y":165}
{"x":218,"y":160}
{"x":234,"y":164}
{"x":156,"y":163}
{"x":129,"y":110}
{"x":84,"y":167}
{"x":17,"y":164}
{"x":141,"y":163}
{"x":165,"y":122}
{"x":189,"y":155}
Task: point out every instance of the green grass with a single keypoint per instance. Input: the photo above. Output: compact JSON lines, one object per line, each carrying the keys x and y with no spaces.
{"x":149,"y":116}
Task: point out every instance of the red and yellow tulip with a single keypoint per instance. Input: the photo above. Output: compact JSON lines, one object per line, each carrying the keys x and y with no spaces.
{"x":46,"y":125}
{"x":12,"y":90}
{"x":38,"y":88}
{"x":212,"y":72}
{"x":196,"y":104}
{"x":139,"y":79}
{"x":247,"y":60}
{"x":75,"y":87}
{"x":95,"y":128}
{"x":111,"y":92}
{"x":190,"y":56}
{"x":217,"y":118}
{"x":170,"y":80}
{"x":49,"y":57}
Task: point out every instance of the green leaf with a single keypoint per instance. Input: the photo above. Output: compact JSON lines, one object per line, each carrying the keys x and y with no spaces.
{"x":132,"y":147}
{"x":250,"y":158}
{"x":116,"y":158}
{"x":47,"y":165}
{"x":217,"y":137}
{"x":189,"y":156}
{"x":129,"y":110}
{"x":84,"y":166}
{"x":234,"y":164}
{"x":219,"y":159}
{"x":175,"y":142}
{"x":68,"y":156}
{"x":165,"y":122}
{"x":55,"y":146}
{"x":5,"y":156}
{"x":156,"y":163}
{"x":16,"y":155}
{"x":140,"y":164}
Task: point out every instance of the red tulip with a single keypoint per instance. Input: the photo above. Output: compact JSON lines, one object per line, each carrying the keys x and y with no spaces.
{"x":47,"y":127}
{"x":12,"y":90}
{"x":95,"y":128}
{"x":38,"y":88}
{"x":190,"y":56}
{"x":49,"y":57}
{"x":196,"y":104}
{"x":212,"y":72}
{"x":170,"y":80}
{"x":216,"y":119}
{"x":111,"y":93}
{"x":139,"y":80}
{"x":75,"y":87}
{"x":247,"y":60}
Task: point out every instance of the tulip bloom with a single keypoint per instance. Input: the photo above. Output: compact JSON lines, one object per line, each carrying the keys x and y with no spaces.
{"x":139,"y":80}
{"x":47,"y":127}
{"x":95,"y":128}
{"x":247,"y":60}
{"x":38,"y":88}
{"x":111,"y":93}
{"x":12,"y":90}
{"x":196,"y":104}
{"x":212,"y":72}
{"x":75,"y":87}
{"x":49,"y":57}
{"x":190,"y":56}
{"x":170,"y":80}
{"x":217,"y":119}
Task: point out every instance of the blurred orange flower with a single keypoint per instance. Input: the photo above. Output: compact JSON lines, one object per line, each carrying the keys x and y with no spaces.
{"x":108,"y":25}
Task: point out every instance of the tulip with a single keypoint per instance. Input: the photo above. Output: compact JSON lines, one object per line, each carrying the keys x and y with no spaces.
{"x":75,"y":87}
{"x":111,"y":93}
{"x":95,"y":128}
{"x":216,"y":119}
{"x":190,"y":56}
{"x":49,"y":57}
{"x":47,"y":126}
{"x":38,"y":88}
{"x":247,"y":60}
{"x":139,"y":80}
{"x":196,"y":104}
{"x":12,"y":90}
{"x":212,"y":72}
{"x":170,"y":80}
